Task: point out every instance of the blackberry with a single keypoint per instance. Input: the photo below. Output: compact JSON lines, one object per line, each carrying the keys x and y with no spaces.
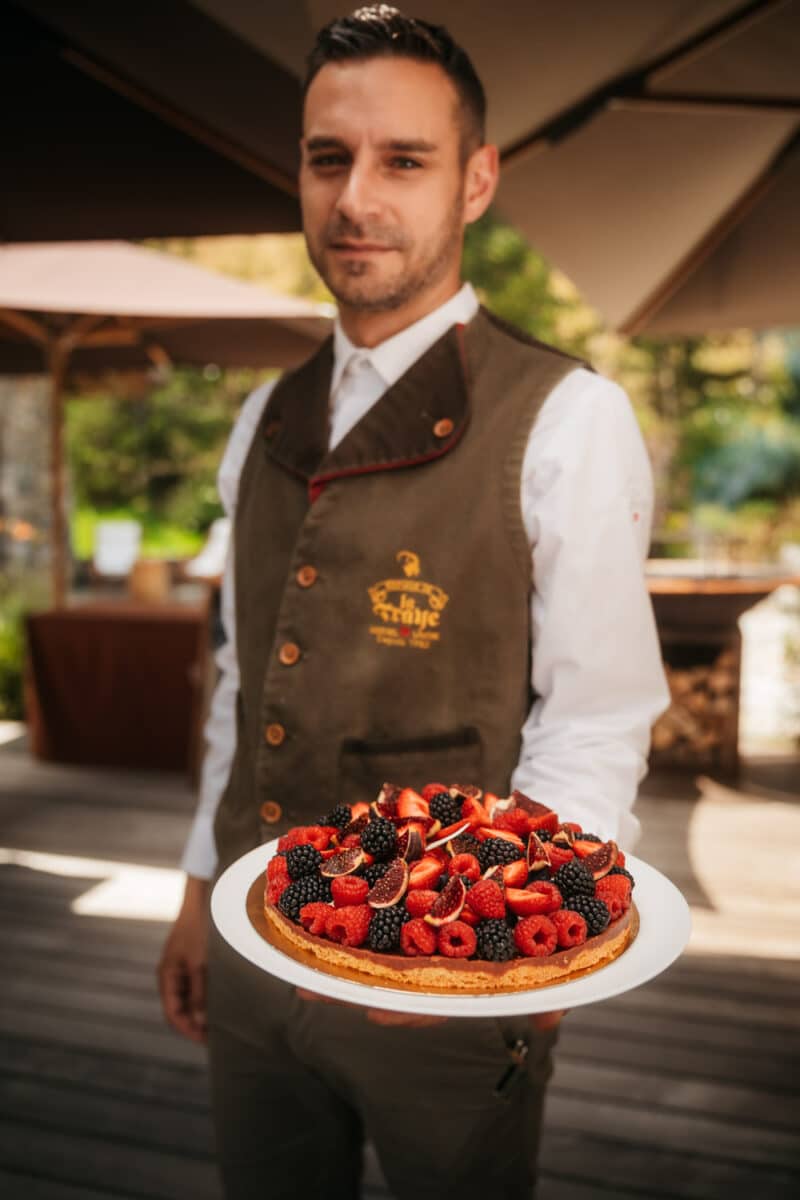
{"x":466,"y":843}
{"x":302,"y":861}
{"x":308,"y":890}
{"x":495,"y":941}
{"x":574,"y":880}
{"x":385,"y":926}
{"x":544,"y":835}
{"x":373,"y":872}
{"x":496,"y":851}
{"x":594,"y":912}
{"x":339,"y":817}
{"x":589,"y":837}
{"x":379,"y":838}
{"x":622,"y":871}
{"x":445,"y":808}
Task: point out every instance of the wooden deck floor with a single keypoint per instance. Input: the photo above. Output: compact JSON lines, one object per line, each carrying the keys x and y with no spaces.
{"x":687,"y":1087}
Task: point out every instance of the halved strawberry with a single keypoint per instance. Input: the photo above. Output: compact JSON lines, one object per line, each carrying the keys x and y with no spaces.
{"x":424,"y":873}
{"x":411,"y":804}
{"x":583,"y":849}
{"x":558,"y":855}
{"x":505,"y":835}
{"x":515,"y":874}
{"x":359,"y":810}
{"x":450,"y":831}
{"x":473,"y":811}
{"x":490,"y":802}
{"x":548,"y":821}
{"x":526,"y":904}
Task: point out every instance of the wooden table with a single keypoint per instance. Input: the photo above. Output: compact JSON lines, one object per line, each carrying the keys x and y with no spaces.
{"x":697,"y":614}
{"x":119,"y":683}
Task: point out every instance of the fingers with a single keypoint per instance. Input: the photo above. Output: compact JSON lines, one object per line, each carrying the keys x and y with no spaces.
{"x":545,"y":1021}
{"x":306,"y":995}
{"x":183,"y":997}
{"x":381,"y":1016}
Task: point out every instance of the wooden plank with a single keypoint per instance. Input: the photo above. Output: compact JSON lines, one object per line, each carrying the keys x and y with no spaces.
{"x":99,"y":1163}
{"x":24,"y":1185}
{"x":619,"y":1169}
{"x":759,"y":1106}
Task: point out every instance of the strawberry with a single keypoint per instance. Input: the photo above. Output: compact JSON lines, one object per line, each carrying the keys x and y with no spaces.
{"x":411,"y":804}
{"x":432,"y":789}
{"x":536,"y":899}
{"x":359,"y":810}
{"x":450,"y":831}
{"x":515,"y":874}
{"x":348,"y":889}
{"x":620,"y":858}
{"x":490,"y":803}
{"x":582,"y":848}
{"x":468,"y":916}
{"x":420,"y":901}
{"x":570,"y":928}
{"x":535,"y":936}
{"x":313,"y":917}
{"x":457,"y":940}
{"x":548,"y":821}
{"x":505,"y":835}
{"x":558,"y":855}
{"x":473,"y":811}
{"x":464,"y":864}
{"x":424,"y":873}
{"x":349,"y":925}
{"x":486,"y":899}
{"x":417,"y":937}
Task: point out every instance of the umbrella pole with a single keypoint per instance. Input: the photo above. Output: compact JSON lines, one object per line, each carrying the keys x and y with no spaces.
{"x":58,"y":526}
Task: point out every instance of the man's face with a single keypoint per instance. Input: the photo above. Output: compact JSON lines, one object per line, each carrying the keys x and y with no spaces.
{"x":382,"y":181}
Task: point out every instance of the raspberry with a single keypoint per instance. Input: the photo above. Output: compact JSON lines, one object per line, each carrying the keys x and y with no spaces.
{"x":559,"y":855}
{"x":275,"y":889}
{"x":486,"y":899}
{"x":417,"y":937}
{"x":420,"y":901}
{"x":314,"y":917}
{"x":457,"y":940}
{"x":535,"y":936}
{"x":349,"y":925}
{"x":615,"y":892}
{"x":465,"y":864}
{"x":570,"y":928}
{"x":348,"y":889}
{"x":620,"y":870}
{"x":547,"y":895}
{"x":277,"y":870}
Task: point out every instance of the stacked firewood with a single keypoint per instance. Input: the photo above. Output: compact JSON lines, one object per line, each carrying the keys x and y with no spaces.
{"x":701,"y":720}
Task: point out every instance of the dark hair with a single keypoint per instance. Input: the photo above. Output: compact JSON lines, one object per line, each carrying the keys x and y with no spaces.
{"x":379,"y":30}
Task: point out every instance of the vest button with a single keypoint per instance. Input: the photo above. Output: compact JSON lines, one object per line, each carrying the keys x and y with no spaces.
{"x":270,"y":812}
{"x":275,"y":734}
{"x":443,"y":428}
{"x":289,"y":654}
{"x":306,"y":576}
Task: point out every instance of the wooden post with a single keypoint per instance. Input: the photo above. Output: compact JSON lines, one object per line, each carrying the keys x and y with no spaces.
{"x":59,"y":556}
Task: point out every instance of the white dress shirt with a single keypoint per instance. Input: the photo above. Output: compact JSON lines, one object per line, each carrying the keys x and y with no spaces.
{"x":586,"y":498}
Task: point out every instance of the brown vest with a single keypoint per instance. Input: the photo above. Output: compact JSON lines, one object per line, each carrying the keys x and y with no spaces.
{"x":383,"y":589}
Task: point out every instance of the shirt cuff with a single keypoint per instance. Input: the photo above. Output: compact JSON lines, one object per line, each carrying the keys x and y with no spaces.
{"x":200,"y":853}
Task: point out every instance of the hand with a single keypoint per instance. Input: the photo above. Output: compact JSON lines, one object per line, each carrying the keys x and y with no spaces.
{"x":182,"y":969}
{"x":541,"y":1022}
{"x":379,"y":1016}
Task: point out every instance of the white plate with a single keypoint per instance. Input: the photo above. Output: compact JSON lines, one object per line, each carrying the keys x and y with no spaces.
{"x":663,"y":933}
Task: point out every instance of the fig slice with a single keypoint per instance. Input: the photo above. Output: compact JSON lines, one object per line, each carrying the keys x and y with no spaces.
{"x":449,"y":903}
{"x":537,"y":853}
{"x":410,"y":844}
{"x":356,"y":826}
{"x":391,"y":887}
{"x":532,"y":807}
{"x":385,"y":805}
{"x":344,"y":862}
{"x":603,"y":859}
{"x":452,"y":831}
{"x":564,"y":836}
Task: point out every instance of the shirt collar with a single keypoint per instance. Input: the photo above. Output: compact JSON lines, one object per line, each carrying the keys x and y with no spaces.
{"x":392,"y":358}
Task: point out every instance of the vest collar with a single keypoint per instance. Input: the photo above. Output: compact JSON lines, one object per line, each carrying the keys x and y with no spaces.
{"x":420,"y":417}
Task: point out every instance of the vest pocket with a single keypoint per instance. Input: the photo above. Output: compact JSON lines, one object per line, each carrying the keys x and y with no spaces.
{"x":366,"y":764}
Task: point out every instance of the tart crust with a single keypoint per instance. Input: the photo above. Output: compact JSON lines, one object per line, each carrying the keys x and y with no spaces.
{"x":436,"y":973}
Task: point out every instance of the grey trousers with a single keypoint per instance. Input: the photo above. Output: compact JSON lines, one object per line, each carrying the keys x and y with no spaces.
{"x":297,"y":1086}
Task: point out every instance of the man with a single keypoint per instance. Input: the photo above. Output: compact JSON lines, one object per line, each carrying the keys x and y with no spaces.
{"x":511,"y":484}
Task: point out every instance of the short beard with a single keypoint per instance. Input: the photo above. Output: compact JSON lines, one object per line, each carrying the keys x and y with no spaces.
{"x":405,"y":288}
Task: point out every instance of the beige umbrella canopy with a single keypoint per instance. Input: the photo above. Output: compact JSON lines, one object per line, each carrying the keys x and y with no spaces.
{"x":649,"y":149}
{"x":103,"y":305}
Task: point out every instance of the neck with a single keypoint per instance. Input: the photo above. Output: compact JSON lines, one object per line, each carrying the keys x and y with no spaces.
{"x":369,"y":329}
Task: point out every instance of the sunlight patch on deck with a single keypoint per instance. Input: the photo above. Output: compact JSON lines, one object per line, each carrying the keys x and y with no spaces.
{"x":125,"y":890}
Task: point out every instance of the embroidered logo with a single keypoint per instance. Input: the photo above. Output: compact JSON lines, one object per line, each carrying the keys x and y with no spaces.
{"x":409,"y":609}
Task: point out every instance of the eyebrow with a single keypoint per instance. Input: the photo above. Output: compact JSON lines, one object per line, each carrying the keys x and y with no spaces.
{"x":398,"y":145}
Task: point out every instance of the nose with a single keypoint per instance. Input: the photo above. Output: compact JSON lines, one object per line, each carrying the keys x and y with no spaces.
{"x":359,"y":198}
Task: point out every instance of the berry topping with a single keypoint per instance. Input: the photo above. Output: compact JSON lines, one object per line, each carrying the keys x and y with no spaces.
{"x":537,"y":898}
{"x":559,"y":855}
{"x":615,"y":892}
{"x":457,"y":940}
{"x":465,"y":864}
{"x":449,"y":902}
{"x":313,"y":917}
{"x":494,"y":941}
{"x":514,"y":820}
{"x":339,"y":818}
{"x":384,"y":928}
{"x":570,"y":928}
{"x":595,"y":913}
{"x":573,"y":880}
{"x":410,"y":844}
{"x":535,"y":936}
{"x":619,"y":869}
{"x":486,"y":899}
{"x":343,"y":863}
{"x":391,"y":887}
{"x":515,"y":874}
{"x":303,"y":891}
{"x":411,"y":804}
{"x":357,"y":825}
{"x":445,"y":808}
{"x":379,"y":838}
{"x":372,"y":872}
{"x":420,"y":901}
{"x":603,"y":859}
{"x":348,"y":889}
{"x":424,"y":873}
{"x":349,"y":925}
{"x":277,"y":879}
{"x":417,"y":937}
{"x":497,"y":851}
{"x":302,"y":860}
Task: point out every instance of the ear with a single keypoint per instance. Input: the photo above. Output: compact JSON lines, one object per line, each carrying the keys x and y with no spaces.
{"x":480,"y":182}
